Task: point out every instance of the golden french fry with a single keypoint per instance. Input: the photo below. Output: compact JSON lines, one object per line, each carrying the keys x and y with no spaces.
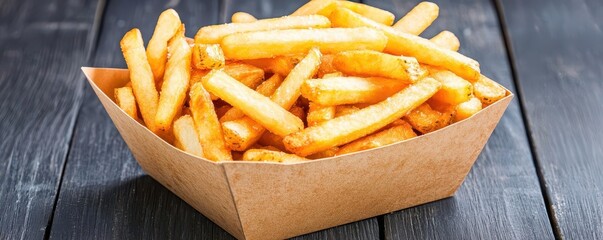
{"x":244,"y":132}
{"x":488,"y":91}
{"x":271,"y":139}
{"x":264,"y":155}
{"x":376,"y":64}
{"x":280,"y":65}
{"x":215,"y":33}
{"x":345,"y":110}
{"x":326,"y":65}
{"x":318,"y":113}
{"x":454,"y":89}
{"x":248,"y":75}
{"x":349,"y":90}
{"x":243,"y":17}
{"x":207,"y":125}
{"x":447,"y":40}
{"x":208,"y":56}
{"x":394,"y":134}
{"x":424,"y":119}
{"x":266,"y":88}
{"x":274,"y":43}
{"x":467,"y":109}
{"x":373,"y":13}
{"x":418,"y":19}
{"x":222,"y":110}
{"x":298,"y":112}
{"x":410,"y":45}
{"x":186,"y":136}
{"x":333,"y":74}
{"x":347,"y":128}
{"x":321,"y":7}
{"x":167,"y":26}
{"x":124,"y":97}
{"x":175,"y":84}
{"x":141,"y":76}
{"x":256,"y":106}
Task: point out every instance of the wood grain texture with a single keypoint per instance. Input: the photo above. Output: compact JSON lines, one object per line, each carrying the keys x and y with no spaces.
{"x":366,"y":229}
{"x":105,"y":194}
{"x":500,"y":198}
{"x":558,"y":57}
{"x":42,"y":45}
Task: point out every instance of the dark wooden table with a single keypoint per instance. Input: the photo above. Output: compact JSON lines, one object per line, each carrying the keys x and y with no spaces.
{"x":66,"y":173}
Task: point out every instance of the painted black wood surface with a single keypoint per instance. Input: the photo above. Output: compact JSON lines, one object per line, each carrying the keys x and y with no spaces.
{"x":558,"y":60}
{"x":42,"y":44}
{"x":501,"y":197}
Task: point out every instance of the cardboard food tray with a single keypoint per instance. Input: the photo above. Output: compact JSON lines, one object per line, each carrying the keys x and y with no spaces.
{"x":262,"y":200}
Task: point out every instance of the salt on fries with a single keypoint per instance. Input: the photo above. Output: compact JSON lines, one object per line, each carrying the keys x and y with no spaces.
{"x":332,"y":78}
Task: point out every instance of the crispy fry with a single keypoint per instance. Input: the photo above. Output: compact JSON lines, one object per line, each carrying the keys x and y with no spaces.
{"x":488,"y":91}
{"x":256,"y":106}
{"x":266,"y":88}
{"x":418,"y":19}
{"x":321,"y":7}
{"x":424,"y":119}
{"x":347,"y":128}
{"x":331,"y":152}
{"x":373,"y":13}
{"x":397,"y":133}
{"x":271,"y":139}
{"x":222,"y":110}
{"x":447,"y":40}
{"x":244,"y":132}
{"x":186,"y":136}
{"x":273,"y":43}
{"x":124,"y":97}
{"x":208,"y":56}
{"x":281,"y":65}
{"x":207,"y":125}
{"x":467,"y":109}
{"x":298,"y":112}
{"x":333,"y":74}
{"x":326,"y":65}
{"x":454,"y":89}
{"x":175,"y":84}
{"x":215,"y":33}
{"x":264,"y":155}
{"x":349,"y":90}
{"x":141,"y":75}
{"x":243,"y":17}
{"x":410,"y":45}
{"x":167,"y":26}
{"x":248,"y":75}
{"x":345,"y":110}
{"x":318,"y":113}
{"x":376,"y":64}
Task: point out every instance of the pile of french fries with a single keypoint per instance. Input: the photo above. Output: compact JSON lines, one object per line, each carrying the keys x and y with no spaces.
{"x":332,"y":78}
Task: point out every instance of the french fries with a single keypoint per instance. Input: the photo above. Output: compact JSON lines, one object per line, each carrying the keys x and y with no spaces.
{"x":256,"y":106}
{"x":271,"y":156}
{"x":175,"y":84}
{"x":410,"y":45}
{"x":267,"y":44}
{"x":208,"y":56}
{"x":373,"y":13}
{"x":342,"y":80}
{"x":167,"y":26}
{"x":376,"y":64}
{"x":207,"y":125}
{"x":141,"y":76}
{"x":244,"y":132}
{"x":418,"y":19}
{"x":349,"y":90}
{"x":186,"y":136}
{"x":124,"y":97}
{"x":350,"y":127}
{"x":400,"y":132}
{"x":243,"y":17}
{"x":215,"y":33}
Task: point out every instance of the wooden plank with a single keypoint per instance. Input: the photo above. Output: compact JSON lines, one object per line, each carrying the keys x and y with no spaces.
{"x":43,"y":45}
{"x":501,"y":197}
{"x":105,"y":194}
{"x":366,"y":229}
{"x":558,"y":57}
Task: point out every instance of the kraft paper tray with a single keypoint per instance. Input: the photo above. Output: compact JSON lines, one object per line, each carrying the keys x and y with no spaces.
{"x":261,"y":200}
